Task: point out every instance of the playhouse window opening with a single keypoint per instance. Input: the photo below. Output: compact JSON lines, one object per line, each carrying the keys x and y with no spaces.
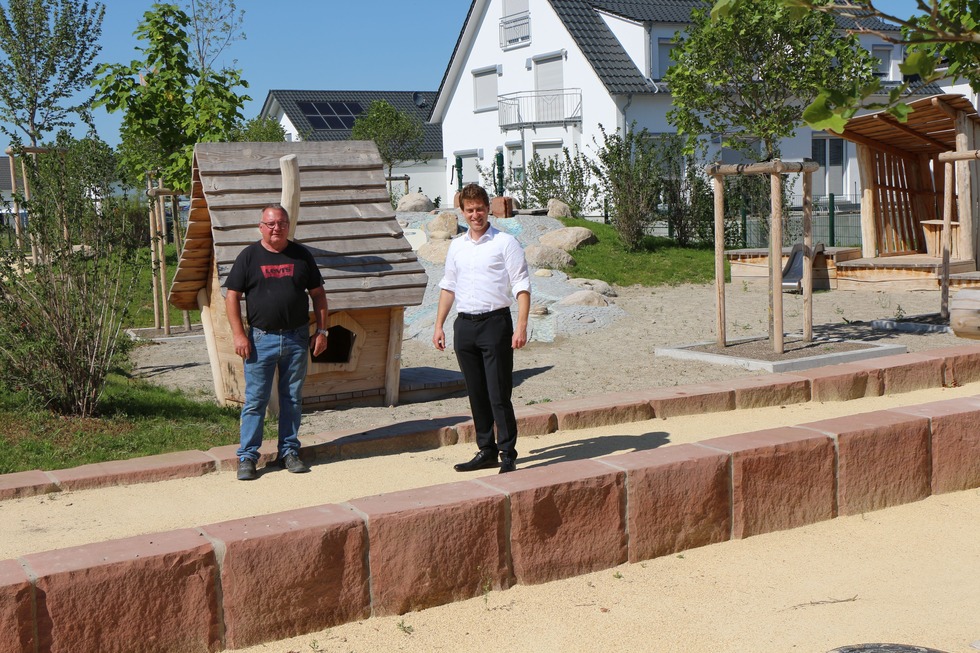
{"x":340,"y":345}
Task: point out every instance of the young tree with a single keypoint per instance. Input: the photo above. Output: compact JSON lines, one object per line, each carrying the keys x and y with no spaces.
{"x":398,"y":135}
{"x":751,"y":72}
{"x":49,"y":48}
{"x":169,"y":103}
{"x":61,"y":313}
{"x":258,"y":130}
{"x":943,"y":41}
{"x":626,"y":167}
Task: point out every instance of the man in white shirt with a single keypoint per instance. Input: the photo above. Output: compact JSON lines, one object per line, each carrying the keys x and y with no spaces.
{"x":485,"y":270}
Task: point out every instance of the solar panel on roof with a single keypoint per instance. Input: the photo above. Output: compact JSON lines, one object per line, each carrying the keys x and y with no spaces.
{"x":325,"y":116}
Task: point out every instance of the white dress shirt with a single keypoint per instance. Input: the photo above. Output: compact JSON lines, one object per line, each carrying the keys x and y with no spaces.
{"x":487,"y":273}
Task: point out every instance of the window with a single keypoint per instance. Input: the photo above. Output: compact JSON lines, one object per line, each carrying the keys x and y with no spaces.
{"x":325,"y":116}
{"x":665,"y":57}
{"x":485,"y":89}
{"x":515,"y":161}
{"x":829,"y":154}
{"x":884,"y":56}
{"x":548,"y":77}
{"x":515,"y":26}
{"x":548,"y":150}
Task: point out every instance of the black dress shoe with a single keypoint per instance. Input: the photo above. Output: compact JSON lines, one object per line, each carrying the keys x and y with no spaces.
{"x":482,"y":460}
{"x":507,"y":465}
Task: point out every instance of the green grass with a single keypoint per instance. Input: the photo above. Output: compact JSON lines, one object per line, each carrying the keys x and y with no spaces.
{"x":660,"y":262}
{"x":141,"y":314}
{"x":136,"y":419}
{"x":139,"y":419}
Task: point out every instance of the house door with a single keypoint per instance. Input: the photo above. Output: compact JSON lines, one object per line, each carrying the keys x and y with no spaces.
{"x":548,"y":77}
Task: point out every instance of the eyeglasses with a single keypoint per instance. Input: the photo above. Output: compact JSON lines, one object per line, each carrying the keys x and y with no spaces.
{"x":273,"y":226}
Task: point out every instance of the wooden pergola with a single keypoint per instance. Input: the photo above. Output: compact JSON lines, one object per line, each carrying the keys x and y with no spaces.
{"x":775,"y":169}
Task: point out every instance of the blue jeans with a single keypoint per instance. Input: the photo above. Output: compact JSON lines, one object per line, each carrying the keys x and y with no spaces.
{"x":287,"y":352}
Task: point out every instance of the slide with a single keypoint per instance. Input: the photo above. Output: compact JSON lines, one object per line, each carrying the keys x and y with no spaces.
{"x":793,"y":272}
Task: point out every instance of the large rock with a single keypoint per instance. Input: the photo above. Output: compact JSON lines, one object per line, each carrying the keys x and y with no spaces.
{"x":415,"y":203}
{"x":584,"y":298}
{"x":596,"y":285}
{"x":569,"y":238}
{"x":558,"y":209}
{"x":434,"y":251}
{"x":445,"y":222}
{"x":542,"y":256}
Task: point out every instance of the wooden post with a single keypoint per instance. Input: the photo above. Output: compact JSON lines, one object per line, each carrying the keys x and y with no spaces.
{"x":207,"y":322}
{"x":17,"y":227}
{"x":27,"y":198}
{"x":719,"y":193}
{"x":776,"y":255}
{"x":153,"y":251}
{"x":162,"y":246}
{"x":289,"y":166}
{"x":965,"y":194}
{"x":869,"y":232}
{"x":396,"y":327}
{"x":808,"y":256}
{"x":947,"y":238}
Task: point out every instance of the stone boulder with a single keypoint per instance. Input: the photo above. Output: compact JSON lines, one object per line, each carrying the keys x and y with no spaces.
{"x":434,"y":251}
{"x":445,"y":222}
{"x":415,"y":203}
{"x":542,"y":256}
{"x":558,"y":209}
{"x":584,"y":298}
{"x":569,"y":238}
{"x":596,"y":285}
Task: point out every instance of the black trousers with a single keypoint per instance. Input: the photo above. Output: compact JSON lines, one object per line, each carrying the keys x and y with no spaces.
{"x":486,"y":359}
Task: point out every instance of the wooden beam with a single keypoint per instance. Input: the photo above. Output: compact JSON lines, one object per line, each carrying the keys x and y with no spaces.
{"x":878,"y":145}
{"x":393,"y":364}
{"x":905,"y":129}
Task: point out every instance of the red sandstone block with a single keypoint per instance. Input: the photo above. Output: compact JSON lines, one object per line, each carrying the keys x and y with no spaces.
{"x":766,"y":390}
{"x":842,"y":382}
{"x":435,"y":545}
{"x":227,"y":459}
{"x":502,"y":207}
{"x":291,"y":573}
{"x":882,"y":459}
{"x":691,"y":400}
{"x":180,"y":464}
{"x":955,"y":450}
{"x":531,"y":420}
{"x":781,"y":478}
{"x":413,"y":435}
{"x":16,"y":618}
{"x":565,"y":520}
{"x":679,"y":499}
{"x":906,"y":372}
{"x":147,"y":593}
{"x":25,"y":484}
{"x":962,"y":363}
{"x":601,"y":410}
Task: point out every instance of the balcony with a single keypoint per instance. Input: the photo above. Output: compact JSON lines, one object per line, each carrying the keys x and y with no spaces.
{"x":515,"y":30}
{"x":539,"y":108}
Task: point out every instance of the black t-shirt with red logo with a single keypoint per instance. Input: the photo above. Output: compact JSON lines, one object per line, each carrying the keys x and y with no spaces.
{"x":275,"y":285}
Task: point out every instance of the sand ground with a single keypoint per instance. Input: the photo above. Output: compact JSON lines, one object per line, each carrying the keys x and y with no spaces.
{"x":908,"y":575}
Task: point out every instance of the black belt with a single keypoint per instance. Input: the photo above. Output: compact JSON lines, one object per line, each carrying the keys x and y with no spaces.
{"x":279,"y":332}
{"x":477,"y":317}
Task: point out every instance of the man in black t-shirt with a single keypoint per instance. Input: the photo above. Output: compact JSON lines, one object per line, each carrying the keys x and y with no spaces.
{"x":275,"y":275}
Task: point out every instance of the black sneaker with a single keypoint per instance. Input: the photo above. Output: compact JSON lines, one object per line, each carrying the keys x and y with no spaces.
{"x":292,"y":463}
{"x":246,"y":470}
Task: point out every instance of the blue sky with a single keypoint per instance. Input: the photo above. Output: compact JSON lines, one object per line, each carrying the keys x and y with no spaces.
{"x":386,"y":45}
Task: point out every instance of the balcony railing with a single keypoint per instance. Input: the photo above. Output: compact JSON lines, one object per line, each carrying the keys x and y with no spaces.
{"x":515,"y":30}
{"x":558,"y":107}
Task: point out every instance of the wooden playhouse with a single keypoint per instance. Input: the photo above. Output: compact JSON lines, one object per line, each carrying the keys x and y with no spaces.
{"x":345,"y":218}
{"x":902,"y":191}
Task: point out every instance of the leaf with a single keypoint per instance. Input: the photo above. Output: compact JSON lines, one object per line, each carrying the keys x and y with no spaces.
{"x":919,"y":63}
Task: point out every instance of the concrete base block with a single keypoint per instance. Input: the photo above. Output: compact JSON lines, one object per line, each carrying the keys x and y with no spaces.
{"x":435,"y":545}
{"x":781,"y":478}
{"x":291,"y":573}
{"x":882,"y":459}
{"x":679,"y":499}
{"x":565,"y":520}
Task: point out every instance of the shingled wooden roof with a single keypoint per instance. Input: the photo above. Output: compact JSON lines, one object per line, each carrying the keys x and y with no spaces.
{"x":930,"y":129}
{"x":345,"y":219}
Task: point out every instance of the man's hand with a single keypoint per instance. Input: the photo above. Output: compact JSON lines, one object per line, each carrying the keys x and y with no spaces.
{"x":520,"y":338}
{"x":242,"y":346}
{"x":439,"y":339}
{"x":319,"y":344}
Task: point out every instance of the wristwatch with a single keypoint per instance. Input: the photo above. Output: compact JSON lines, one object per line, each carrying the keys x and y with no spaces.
{"x":326,"y":334}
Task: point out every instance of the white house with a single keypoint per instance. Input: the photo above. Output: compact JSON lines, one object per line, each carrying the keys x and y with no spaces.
{"x":534,"y":76}
{"x":330,"y":115}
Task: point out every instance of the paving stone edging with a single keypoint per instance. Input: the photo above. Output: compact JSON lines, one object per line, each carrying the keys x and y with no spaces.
{"x":213,"y":587}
